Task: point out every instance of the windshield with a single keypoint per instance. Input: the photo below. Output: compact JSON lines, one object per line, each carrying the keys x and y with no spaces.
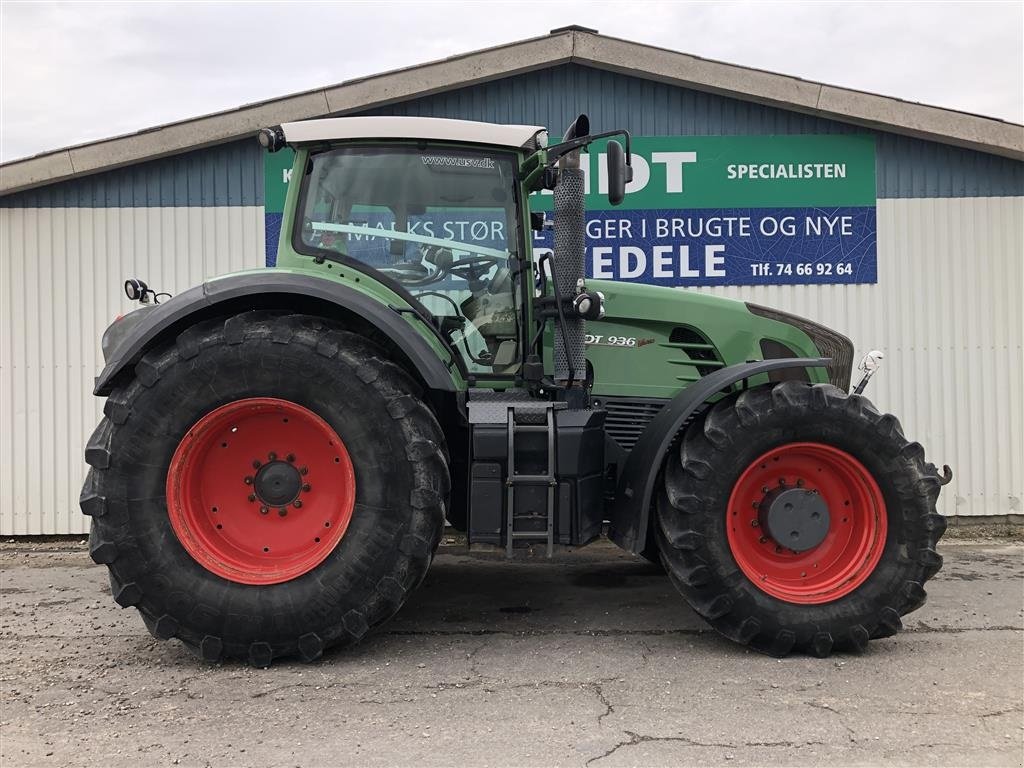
{"x":439,"y":221}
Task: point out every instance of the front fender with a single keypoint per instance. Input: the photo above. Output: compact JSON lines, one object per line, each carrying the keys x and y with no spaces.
{"x":631,"y":509}
{"x":273,"y":289}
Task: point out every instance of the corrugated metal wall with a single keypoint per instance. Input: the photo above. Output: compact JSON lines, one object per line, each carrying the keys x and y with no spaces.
{"x":946,"y":310}
{"x":231,"y":174}
{"x":61,"y":271}
{"x":554,"y":97}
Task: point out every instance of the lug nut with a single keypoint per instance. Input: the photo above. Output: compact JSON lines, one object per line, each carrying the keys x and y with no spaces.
{"x":272,"y":456}
{"x":764,"y":489}
{"x":763,"y":540}
{"x":252,"y":497}
{"x":297,"y":503}
{"x":756,"y":504}
{"x":264,"y":510}
{"x":282,"y":511}
{"x":303,"y":470}
{"x":290,"y":457}
{"x":778,"y":550}
{"x":782,"y":482}
{"x":248,"y":480}
{"x":256,"y":464}
{"x":754,"y":523}
{"x":799,"y":483}
{"x":307,"y":487}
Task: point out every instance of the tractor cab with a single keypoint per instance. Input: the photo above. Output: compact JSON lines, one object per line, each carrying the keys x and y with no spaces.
{"x":442,"y":224}
{"x":436,"y":210}
{"x":432,"y":209}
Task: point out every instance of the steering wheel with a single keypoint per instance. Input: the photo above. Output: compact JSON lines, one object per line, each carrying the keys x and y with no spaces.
{"x":473,"y":268}
{"x":414,"y":273}
{"x":474,"y":262}
{"x":410,"y":273}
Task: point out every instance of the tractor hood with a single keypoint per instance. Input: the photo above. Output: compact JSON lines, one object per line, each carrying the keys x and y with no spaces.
{"x":625,"y":300}
{"x":654,"y":341}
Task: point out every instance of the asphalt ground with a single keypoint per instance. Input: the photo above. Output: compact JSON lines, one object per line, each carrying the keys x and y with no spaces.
{"x":590,"y":659}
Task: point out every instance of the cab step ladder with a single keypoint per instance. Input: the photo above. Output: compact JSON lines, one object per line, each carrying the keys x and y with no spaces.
{"x":514,"y":479}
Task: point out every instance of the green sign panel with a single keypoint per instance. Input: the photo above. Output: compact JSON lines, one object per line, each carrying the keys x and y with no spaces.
{"x":277,"y":171}
{"x":688,"y":172}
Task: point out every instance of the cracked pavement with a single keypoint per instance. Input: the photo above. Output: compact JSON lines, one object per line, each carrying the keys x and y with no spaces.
{"x":591,"y":659}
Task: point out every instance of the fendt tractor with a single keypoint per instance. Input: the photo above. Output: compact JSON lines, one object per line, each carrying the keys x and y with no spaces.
{"x":282,"y":447}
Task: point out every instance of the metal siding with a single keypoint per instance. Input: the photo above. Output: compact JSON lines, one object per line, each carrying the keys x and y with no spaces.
{"x":229,"y":174}
{"x":906,"y":167}
{"x":954,"y":372}
{"x":61,"y":271}
{"x":947,"y":313}
{"x":946,"y":309}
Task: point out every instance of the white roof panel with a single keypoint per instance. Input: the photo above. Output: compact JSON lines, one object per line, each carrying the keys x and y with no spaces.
{"x":430,"y":128}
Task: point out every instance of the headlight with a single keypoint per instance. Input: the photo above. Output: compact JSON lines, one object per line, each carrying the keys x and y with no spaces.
{"x":271,"y":139}
{"x":829,"y":343}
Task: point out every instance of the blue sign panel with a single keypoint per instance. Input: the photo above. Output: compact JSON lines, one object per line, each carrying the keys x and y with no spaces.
{"x":734,"y":246}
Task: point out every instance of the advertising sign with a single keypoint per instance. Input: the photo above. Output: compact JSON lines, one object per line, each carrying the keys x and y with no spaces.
{"x":277,"y":172}
{"x":715,"y":210}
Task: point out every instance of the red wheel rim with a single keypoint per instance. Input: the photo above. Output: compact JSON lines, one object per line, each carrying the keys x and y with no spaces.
{"x":851,"y":546}
{"x":260,"y":491}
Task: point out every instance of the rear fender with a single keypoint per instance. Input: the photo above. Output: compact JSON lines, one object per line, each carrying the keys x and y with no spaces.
{"x":274,"y":290}
{"x":630,"y":513}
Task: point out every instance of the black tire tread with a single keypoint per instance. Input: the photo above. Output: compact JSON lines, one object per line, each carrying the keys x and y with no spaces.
{"x":427,"y":453}
{"x":684,"y":509}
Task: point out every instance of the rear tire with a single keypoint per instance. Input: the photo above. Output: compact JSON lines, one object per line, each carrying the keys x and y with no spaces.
{"x":745,"y":584}
{"x":331,"y":596}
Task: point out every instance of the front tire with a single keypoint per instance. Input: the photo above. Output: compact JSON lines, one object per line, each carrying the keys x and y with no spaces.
{"x":797,"y":517}
{"x":266,"y":486}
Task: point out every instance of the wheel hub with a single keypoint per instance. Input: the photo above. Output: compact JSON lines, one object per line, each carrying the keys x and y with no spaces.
{"x":806,"y":523}
{"x":277,"y":484}
{"x":220,"y":493}
{"x":796,"y":518}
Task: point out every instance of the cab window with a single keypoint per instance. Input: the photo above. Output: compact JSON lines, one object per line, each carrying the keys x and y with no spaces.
{"x":440,"y":222}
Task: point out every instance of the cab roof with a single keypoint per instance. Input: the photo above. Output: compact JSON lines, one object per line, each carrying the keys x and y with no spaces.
{"x":430,"y":128}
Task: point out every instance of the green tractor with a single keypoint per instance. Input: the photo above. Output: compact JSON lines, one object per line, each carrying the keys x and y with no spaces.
{"x":282,"y":447}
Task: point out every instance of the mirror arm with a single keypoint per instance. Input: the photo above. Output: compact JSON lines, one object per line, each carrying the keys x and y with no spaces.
{"x":543,"y":159}
{"x":556,"y":151}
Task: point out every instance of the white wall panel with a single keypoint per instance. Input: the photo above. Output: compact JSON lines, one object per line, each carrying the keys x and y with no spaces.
{"x":61,"y":271}
{"x":947,"y":312}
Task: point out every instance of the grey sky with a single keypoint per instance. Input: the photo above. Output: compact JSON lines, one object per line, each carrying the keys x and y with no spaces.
{"x":74,"y":72}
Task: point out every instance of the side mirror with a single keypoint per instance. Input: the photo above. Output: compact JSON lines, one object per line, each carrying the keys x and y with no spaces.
{"x":619,"y":174}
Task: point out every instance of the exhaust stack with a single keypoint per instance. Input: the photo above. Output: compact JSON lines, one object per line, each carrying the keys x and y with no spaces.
{"x":570,"y":234}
